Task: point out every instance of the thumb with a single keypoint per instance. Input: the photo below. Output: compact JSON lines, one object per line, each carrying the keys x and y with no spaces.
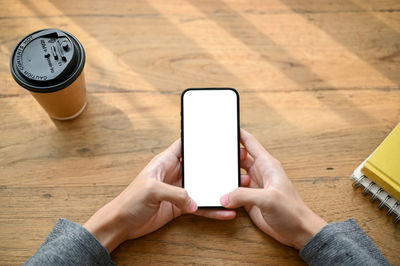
{"x":244,"y":196}
{"x":176,"y":195}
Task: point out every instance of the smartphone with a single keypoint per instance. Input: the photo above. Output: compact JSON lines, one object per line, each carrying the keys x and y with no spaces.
{"x":210,"y":134}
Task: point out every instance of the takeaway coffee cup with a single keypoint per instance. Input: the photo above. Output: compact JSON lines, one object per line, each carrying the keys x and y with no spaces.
{"x":49,"y":63}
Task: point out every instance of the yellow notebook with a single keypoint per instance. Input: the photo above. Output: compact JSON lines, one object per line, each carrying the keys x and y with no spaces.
{"x":383,"y":166}
{"x":379,"y":174}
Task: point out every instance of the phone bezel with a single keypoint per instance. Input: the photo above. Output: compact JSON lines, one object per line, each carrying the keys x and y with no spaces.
{"x":238,"y":137}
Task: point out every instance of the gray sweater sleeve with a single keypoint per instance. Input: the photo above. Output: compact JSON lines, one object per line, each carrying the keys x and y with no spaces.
{"x":342,"y":244}
{"x":70,"y":244}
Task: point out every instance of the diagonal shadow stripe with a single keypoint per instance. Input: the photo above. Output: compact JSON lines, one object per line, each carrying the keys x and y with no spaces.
{"x":243,"y":30}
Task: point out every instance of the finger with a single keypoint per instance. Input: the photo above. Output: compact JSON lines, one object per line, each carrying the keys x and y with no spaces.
{"x":176,"y":195}
{"x":243,"y":153}
{"x":217,"y":214}
{"x":244,"y":196}
{"x":244,"y":180}
{"x":251,"y":144}
{"x":175,"y":148}
{"x":246,"y":163}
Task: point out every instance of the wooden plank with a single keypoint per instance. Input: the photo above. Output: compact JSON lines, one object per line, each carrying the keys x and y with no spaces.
{"x":319,"y":84}
{"x":23,"y":9}
{"x":253,"y":51}
{"x":122,"y":131}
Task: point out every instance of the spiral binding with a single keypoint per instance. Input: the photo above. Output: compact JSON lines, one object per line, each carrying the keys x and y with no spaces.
{"x":377,"y":193}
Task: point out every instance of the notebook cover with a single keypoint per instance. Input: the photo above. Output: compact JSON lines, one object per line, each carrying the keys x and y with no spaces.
{"x":376,"y":192}
{"x":383,"y":166}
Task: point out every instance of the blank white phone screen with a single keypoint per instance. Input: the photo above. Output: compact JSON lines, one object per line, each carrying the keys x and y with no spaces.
{"x":210,"y":144}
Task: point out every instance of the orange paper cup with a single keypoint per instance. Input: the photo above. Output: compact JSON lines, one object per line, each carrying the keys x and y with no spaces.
{"x":49,"y":63}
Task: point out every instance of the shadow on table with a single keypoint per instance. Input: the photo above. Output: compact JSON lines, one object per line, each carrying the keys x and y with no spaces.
{"x":384,"y":38}
{"x":243,"y":30}
{"x":98,"y":131}
{"x":152,"y":78}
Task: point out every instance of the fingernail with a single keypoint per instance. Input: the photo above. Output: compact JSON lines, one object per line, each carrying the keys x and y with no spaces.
{"x":225,"y":200}
{"x":193,"y":206}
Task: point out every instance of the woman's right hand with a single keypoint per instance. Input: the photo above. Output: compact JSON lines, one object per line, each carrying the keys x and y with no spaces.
{"x":271,"y":200}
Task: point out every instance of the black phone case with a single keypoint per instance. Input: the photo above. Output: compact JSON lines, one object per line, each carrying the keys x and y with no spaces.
{"x":182,"y":138}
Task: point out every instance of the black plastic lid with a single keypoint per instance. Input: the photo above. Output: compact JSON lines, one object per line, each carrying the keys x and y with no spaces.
{"x":47,"y":60}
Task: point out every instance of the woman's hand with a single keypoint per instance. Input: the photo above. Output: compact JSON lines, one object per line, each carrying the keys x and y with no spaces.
{"x":271,"y":199}
{"x":154,"y":198}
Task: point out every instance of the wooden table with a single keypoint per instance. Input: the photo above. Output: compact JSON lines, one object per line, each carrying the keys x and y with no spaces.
{"x":319,"y":83}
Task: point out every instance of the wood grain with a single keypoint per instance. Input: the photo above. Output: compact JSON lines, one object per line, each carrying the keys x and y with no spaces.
{"x":319,"y":83}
